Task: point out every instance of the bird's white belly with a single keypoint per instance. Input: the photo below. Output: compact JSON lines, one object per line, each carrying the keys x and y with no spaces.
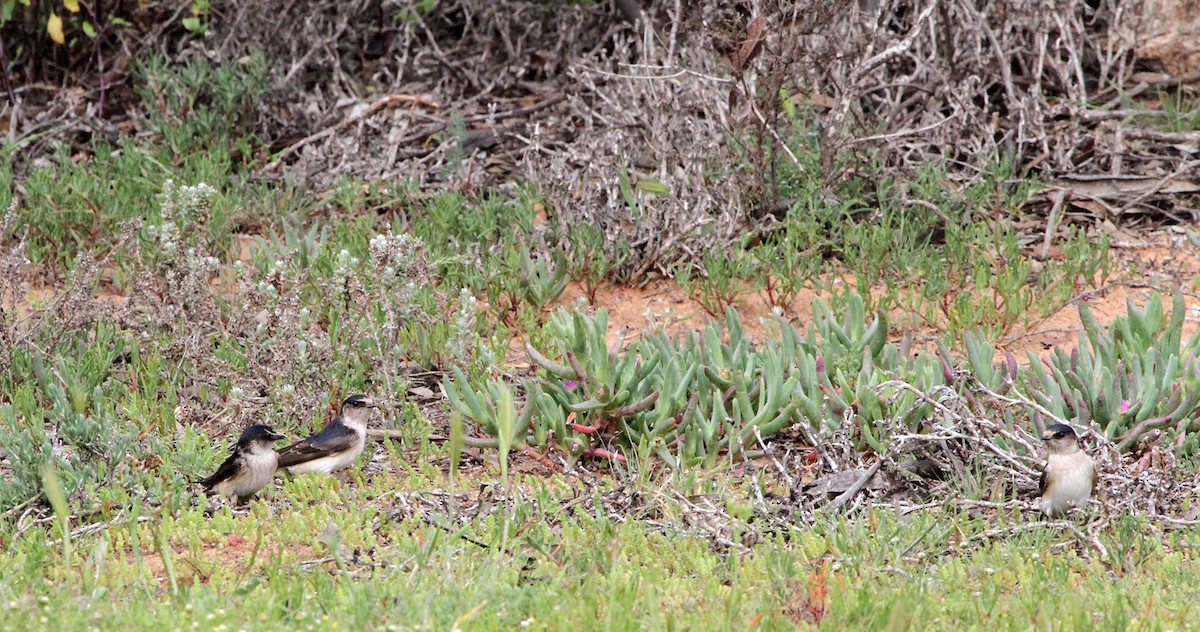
{"x":331,"y":463}
{"x":258,"y":471}
{"x":1072,"y":483}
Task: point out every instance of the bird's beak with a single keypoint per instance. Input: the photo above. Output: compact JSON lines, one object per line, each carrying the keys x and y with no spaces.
{"x":1046,"y":436}
{"x":276,"y":436}
{"x":371,"y":404}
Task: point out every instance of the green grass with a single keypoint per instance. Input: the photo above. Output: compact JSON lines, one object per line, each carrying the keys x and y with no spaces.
{"x":549,"y":569}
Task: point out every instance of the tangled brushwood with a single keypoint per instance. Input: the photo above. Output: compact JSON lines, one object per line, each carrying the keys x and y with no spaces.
{"x":671,"y":125}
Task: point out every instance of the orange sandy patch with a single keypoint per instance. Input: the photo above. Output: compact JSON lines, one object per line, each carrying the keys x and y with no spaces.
{"x":1165,"y":262}
{"x":234,"y":551}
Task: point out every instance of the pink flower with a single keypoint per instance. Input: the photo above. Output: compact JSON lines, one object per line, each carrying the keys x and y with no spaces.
{"x":1125,"y":406}
{"x":570,"y":384}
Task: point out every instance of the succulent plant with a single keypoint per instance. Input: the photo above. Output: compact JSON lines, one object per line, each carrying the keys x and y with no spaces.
{"x":1128,"y":379}
{"x":693,"y":397}
{"x":491,"y":407}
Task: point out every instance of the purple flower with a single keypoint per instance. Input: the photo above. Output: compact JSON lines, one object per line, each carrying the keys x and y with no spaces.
{"x":570,"y":384}
{"x":1125,"y":405}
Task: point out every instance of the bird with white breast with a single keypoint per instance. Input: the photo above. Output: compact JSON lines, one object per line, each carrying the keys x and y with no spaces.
{"x":1069,"y":477}
{"x":336,"y":446}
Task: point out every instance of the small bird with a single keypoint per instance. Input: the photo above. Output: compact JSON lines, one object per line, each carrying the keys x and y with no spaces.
{"x":1070,"y":474}
{"x":250,"y":466}
{"x":336,"y":446}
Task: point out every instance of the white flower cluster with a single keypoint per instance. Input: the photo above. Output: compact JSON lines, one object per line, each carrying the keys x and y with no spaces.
{"x":178,"y":205}
{"x":178,"y":202}
{"x":266,"y":289}
{"x":394,"y":255}
{"x":465,"y":318}
{"x":463,"y":341}
{"x":346,"y":264}
{"x":201,"y":264}
{"x":165,"y":237}
{"x":302,"y":356}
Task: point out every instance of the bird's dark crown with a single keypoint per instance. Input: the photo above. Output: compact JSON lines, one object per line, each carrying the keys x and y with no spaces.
{"x":358,"y":401}
{"x":260,"y":431}
{"x":1058,"y":431}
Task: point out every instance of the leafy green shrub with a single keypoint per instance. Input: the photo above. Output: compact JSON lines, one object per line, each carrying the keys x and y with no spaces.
{"x":721,"y":278}
{"x":199,"y":105}
{"x":590,"y":260}
{"x":69,"y":422}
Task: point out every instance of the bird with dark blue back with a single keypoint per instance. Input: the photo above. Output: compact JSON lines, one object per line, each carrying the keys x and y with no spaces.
{"x":336,"y":446}
{"x":250,"y":466}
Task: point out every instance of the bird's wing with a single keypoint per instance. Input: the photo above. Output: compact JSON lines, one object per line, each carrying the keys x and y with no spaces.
{"x":1043,"y":484}
{"x":1095,"y":477}
{"x":227,"y":469}
{"x":331,"y":440}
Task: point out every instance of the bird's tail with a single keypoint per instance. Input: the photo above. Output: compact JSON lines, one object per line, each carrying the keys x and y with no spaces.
{"x":205,"y":482}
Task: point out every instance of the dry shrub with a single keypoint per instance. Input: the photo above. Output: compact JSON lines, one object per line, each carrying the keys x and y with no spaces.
{"x":687,"y":101}
{"x":651,"y":114}
{"x":696,"y":102}
{"x":957,"y":82}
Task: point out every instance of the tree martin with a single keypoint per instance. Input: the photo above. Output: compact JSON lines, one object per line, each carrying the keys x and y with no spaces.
{"x":1070,"y":474}
{"x":336,"y":446}
{"x":250,"y":466}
